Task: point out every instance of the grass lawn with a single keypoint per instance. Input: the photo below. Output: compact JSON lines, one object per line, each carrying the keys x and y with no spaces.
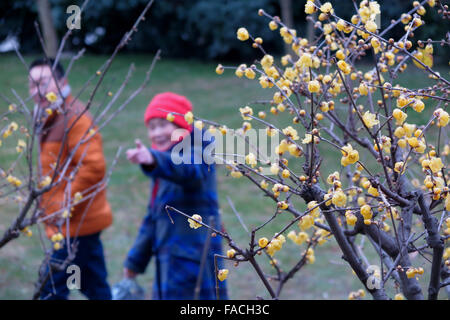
{"x":216,"y":98}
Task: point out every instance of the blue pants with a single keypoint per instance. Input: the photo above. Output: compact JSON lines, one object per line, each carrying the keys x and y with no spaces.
{"x":91,"y":261}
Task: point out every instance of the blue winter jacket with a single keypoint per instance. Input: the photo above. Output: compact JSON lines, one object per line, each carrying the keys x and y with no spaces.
{"x":177,"y":248}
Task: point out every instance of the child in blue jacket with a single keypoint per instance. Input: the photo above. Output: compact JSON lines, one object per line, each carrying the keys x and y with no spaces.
{"x":188,"y":187}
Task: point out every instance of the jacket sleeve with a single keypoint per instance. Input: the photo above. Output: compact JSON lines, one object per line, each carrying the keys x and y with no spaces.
{"x":141,"y":252}
{"x":183,"y":173}
{"x":88,"y":156}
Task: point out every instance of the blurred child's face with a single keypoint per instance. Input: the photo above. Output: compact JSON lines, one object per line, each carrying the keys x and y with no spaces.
{"x":42,"y":82}
{"x":160,"y":133}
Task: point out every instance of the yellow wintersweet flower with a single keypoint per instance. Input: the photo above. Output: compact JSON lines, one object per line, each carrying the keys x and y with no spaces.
{"x":6,"y":134}
{"x":274,"y":168}
{"x":66,"y":214}
{"x":295,"y":150}
{"x":290,"y":74}
{"x":350,"y":218}
{"x":249,"y":73}
{"x":399,"y":296}
{"x":375,"y":44}
{"x":314,"y":86}
{"x":442,"y":116}
{"x":409,"y":129}
{"x":305,"y":61}
{"x":222,"y":274}
{"x":285,"y":173}
{"x":271,"y":131}
{"x":285,"y":59}
{"x":370,"y":119}
{"x":51,"y":97}
{"x":366,"y":212}
{"x":418,"y":105}
{"x":399,"y":115}
{"x":310,"y":8}
{"x":403,"y":101}
{"x":267,"y":61}
{"x":246,"y":126}
{"x":194,"y":224}
{"x":278,"y":97}
{"x":236,"y":174}
{"x":399,"y":166}
{"x":291,"y":133}
{"x":373,"y":191}
{"x":436,"y":164}
{"x":340,"y":54}
{"x":170,"y":117}
{"x":413,"y":142}
{"x":349,"y":156}
{"x":14,"y":181}
{"x":231,"y":253}
{"x":306,"y":222}
{"x":371,"y":26}
{"x":199,"y":124}
{"x":57,"y":237}
{"x":301,"y":238}
{"x":283,"y":205}
{"x":26,"y":231}
{"x":326,"y":8}
{"x":263,"y":184}
{"x":345,"y":68}
{"x":242,"y":34}
{"x":423,"y":56}
{"x":219,"y":69}
{"x":265,"y":82}
{"x":273,"y":25}
{"x":245,"y":112}
{"x":399,"y":132}
{"x":45,"y":182}
{"x":363,"y":89}
{"x":339,"y":198}
{"x":307,"y":139}
{"x":77,"y":197}
{"x":239,"y":71}
{"x":21,"y":145}
{"x":262,"y":242}
{"x":293,"y":236}
{"x":314,"y":212}
{"x":189,"y":117}
{"x":13,"y":126}
{"x":250,"y":159}
{"x":335,"y":176}
{"x":326,"y":80}
{"x":272,"y":72}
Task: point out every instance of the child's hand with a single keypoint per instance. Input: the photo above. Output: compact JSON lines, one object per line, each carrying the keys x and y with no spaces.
{"x":140,"y":154}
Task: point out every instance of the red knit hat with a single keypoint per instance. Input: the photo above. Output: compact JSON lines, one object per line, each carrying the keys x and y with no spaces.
{"x":166,"y":102}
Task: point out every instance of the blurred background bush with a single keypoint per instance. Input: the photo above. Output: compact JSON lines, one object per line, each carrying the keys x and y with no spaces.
{"x":202,"y":29}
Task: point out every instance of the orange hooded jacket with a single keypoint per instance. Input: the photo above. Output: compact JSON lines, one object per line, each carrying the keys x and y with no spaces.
{"x":92,"y":214}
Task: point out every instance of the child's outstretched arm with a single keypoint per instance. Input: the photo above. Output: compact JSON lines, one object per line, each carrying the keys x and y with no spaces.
{"x":159,"y":164}
{"x":140,"y":154}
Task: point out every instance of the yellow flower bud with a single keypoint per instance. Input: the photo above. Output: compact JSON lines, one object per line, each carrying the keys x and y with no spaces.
{"x":314,"y":86}
{"x":219,"y":69}
{"x":242,"y":34}
{"x":189,"y":117}
{"x":222,"y":274}
{"x":194,"y":224}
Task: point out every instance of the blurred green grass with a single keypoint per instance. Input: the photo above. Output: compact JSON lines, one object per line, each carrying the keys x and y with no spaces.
{"x":216,"y":98}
